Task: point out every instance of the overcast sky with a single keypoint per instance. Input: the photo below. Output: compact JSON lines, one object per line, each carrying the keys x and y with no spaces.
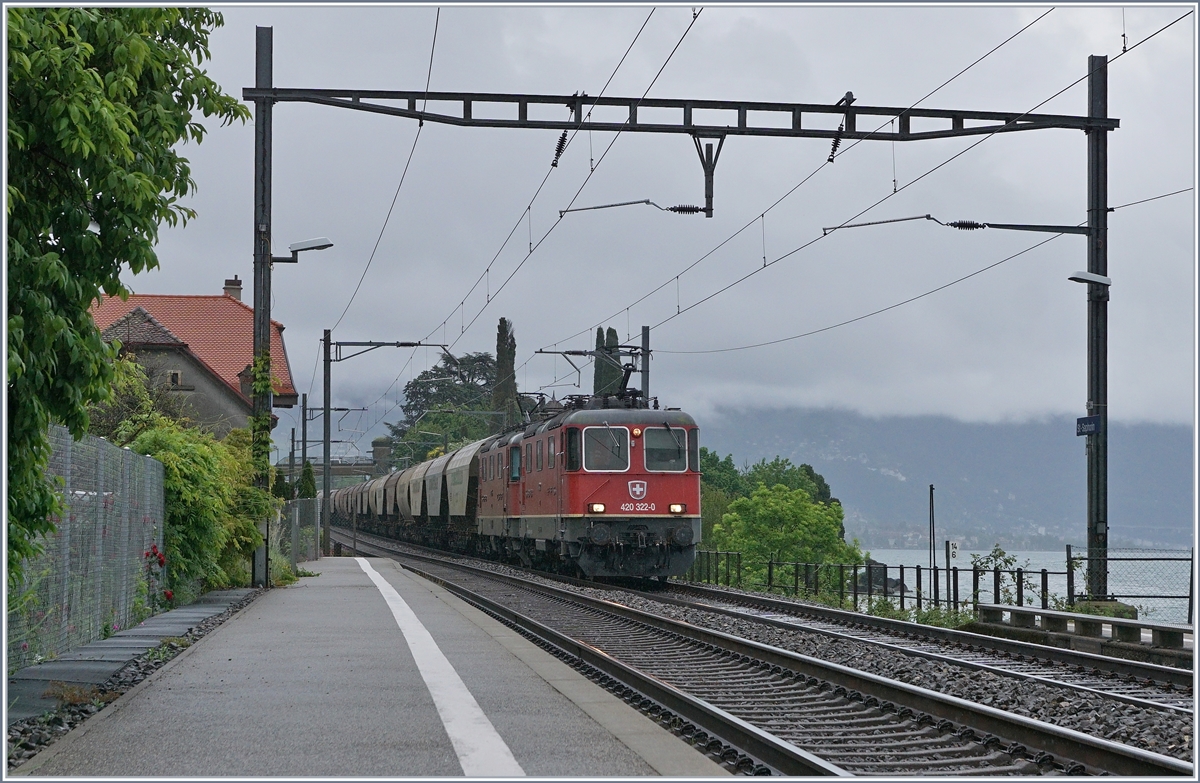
{"x":1007,"y":344}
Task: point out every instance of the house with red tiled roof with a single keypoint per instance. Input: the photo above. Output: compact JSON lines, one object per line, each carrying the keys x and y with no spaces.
{"x":200,"y":347}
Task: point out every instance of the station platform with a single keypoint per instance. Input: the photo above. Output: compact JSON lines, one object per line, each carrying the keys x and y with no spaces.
{"x":367,"y":670}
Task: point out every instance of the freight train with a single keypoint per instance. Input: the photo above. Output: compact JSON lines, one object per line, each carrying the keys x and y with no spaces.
{"x":598,"y":486}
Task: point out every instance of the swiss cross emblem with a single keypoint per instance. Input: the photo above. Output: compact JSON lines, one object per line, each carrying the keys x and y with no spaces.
{"x":637,"y":490}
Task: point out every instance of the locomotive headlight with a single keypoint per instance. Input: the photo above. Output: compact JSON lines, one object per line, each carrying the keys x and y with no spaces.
{"x":678,"y":508}
{"x":637,"y":432}
{"x":596,"y":508}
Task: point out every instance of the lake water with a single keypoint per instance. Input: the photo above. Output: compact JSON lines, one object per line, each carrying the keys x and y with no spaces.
{"x":1159,"y":574}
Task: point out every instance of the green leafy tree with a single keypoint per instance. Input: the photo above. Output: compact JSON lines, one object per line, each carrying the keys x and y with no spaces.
{"x":306,"y":487}
{"x":210,"y":503}
{"x":453,"y":400}
{"x":99,"y":101}
{"x":133,"y":404}
{"x":782,"y":471}
{"x":721,"y":473}
{"x":781,"y":524}
{"x":504,"y":393}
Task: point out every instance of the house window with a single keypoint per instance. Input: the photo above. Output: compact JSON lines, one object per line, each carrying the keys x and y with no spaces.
{"x":176,"y":378}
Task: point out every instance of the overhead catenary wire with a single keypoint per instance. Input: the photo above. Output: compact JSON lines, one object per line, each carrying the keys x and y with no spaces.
{"x":552,"y":227}
{"x":907,"y":185}
{"x":944,"y":163}
{"x":807,"y":178}
{"x":911,"y":299}
{"x":486,"y":274}
{"x":403,"y":175}
{"x":748,"y":224}
{"x":604,"y":154}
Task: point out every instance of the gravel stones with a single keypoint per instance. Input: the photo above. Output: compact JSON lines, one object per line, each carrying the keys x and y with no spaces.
{"x":1168,"y":733}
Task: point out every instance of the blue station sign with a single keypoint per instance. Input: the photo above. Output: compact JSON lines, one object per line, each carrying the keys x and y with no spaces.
{"x":1088,"y":425}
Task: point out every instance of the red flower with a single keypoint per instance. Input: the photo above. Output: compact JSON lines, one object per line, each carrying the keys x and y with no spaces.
{"x":147,"y":554}
{"x":162,"y":559}
{"x":168,"y":595}
{"x":154,"y":548}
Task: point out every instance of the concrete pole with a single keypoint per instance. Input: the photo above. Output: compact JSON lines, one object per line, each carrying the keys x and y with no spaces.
{"x":1097,"y":442}
{"x":262,"y":268}
{"x":326,"y":484}
{"x":646,"y":365}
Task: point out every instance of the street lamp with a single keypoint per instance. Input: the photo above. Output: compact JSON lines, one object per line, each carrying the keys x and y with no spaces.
{"x":261,"y":419}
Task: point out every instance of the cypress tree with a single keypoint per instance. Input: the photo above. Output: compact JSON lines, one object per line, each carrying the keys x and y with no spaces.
{"x":614,"y":372}
{"x":306,"y":487}
{"x":504,"y":393}
{"x":599,"y":365}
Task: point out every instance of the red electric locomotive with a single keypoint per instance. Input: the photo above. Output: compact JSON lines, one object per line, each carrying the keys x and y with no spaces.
{"x":602,"y":486}
{"x":614,"y":491}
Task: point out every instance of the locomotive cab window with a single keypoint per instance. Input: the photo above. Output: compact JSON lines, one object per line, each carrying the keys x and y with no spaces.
{"x":694,"y":450}
{"x":514,"y":458}
{"x":574,"y":452}
{"x":666,"y":449}
{"x":606,"y":449}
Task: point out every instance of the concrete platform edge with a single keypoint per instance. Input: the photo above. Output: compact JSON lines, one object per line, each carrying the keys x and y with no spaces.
{"x":64,"y":742}
{"x":663,"y":751}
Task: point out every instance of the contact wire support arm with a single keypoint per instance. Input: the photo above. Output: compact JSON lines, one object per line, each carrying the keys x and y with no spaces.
{"x":370,"y":345}
{"x":743,"y":118}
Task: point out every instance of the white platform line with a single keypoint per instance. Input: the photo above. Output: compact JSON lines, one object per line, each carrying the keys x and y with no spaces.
{"x":480,"y":749}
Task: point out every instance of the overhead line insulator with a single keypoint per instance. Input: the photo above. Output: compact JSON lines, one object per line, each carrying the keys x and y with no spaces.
{"x":558,"y":149}
{"x":686,"y":209}
{"x":966,"y":225}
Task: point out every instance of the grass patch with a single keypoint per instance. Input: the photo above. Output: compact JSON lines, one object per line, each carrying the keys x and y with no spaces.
{"x":69,"y":694}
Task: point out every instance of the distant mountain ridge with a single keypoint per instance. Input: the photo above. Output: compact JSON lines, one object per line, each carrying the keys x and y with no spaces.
{"x":1021,"y":485}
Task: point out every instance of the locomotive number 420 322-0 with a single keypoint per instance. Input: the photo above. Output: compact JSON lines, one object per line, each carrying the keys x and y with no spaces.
{"x":637,"y":506}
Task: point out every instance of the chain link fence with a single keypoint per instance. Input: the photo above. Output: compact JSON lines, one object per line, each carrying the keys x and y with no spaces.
{"x":92,"y":578}
{"x":296,"y":533}
{"x":1158,"y":582}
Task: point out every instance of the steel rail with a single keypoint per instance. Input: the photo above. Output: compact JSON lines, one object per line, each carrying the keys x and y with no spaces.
{"x":1065,"y":743}
{"x":1153,"y":671}
{"x":794,"y":625}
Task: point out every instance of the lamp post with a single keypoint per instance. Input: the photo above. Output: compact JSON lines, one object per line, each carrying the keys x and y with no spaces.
{"x":262,"y":403}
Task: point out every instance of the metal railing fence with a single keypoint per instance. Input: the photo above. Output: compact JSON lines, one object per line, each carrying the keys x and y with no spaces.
{"x":1135,"y":576}
{"x":296,"y":532}
{"x":92,"y":577}
{"x":707,"y":568}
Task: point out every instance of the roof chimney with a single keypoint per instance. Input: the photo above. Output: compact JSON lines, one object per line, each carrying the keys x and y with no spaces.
{"x":234,"y":288}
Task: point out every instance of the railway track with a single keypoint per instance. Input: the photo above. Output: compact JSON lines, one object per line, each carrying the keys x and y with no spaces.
{"x":763,"y":709}
{"x":1143,"y":684}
